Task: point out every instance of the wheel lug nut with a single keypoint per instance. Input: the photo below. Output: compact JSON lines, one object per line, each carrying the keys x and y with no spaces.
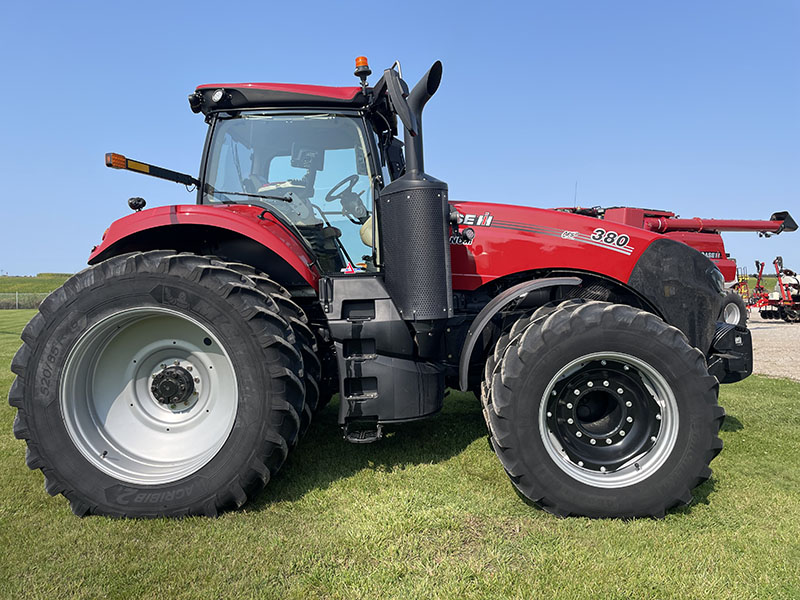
{"x":163,"y":366}
{"x":629,"y":404}
{"x":590,"y":384}
{"x":172,"y":406}
{"x":658,"y":417}
{"x":622,"y":433}
{"x":602,"y":469}
{"x":608,"y":440}
{"x":188,"y":367}
{"x":604,"y":363}
{"x":592,"y":442}
{"x":176,"y":363}
{"x":620,"y":391}
{"x":549,"y":414}
{"x":555,"y":393}
{"x":578,"y":434}
{"x":580,"y":463}
{"x":197,"y":380}
{"x":626,"y":367}
{"x":629,"y":419}
{"x":569,"y":404}
{"x":577,"y":392}
{"x":570,"y":421}
{"x":605,"y":383}
{"x":652,"y":438}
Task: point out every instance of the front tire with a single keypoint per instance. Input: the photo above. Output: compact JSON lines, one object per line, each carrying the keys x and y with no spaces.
{"x":603,"y":410}
{"x":157,"y":384}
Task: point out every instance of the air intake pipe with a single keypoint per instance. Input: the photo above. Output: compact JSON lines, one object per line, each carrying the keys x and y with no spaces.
{"x":414,"y":219}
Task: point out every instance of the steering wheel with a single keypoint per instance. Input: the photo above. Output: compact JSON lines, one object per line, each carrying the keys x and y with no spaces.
{"x":336,"y":193}
{"x":352,"y":206}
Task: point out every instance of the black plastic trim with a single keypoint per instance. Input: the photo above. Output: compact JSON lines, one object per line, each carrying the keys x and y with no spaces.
{"x":731,"y":356}
{"x":494,"y":306}
{"x":679,"y":281}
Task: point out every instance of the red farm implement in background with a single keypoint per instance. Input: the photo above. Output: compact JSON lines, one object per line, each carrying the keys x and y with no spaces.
{"x":704,"y":235}
{"x":760,"y":296}
{"x":784,"y":301}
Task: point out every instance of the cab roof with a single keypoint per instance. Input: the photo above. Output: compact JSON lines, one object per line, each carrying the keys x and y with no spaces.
{"x":239,"y":96}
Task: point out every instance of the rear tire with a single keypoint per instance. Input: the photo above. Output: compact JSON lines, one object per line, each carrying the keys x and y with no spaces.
{"x":304,"y":340}
{"x":157,"y":384}
{"x":734,"y":310}
{"x":647,"y":456}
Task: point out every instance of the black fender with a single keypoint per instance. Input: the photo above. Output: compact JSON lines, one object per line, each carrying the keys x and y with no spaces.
{"x":494,"y":306}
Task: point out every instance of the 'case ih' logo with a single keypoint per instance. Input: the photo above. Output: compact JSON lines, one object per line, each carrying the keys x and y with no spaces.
{"x":484,"y":220}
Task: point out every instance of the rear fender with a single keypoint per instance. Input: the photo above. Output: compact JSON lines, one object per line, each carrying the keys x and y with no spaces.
{"x":244,"y":233}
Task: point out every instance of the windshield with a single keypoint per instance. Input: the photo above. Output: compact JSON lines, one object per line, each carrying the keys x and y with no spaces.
{"x":311,"y":169}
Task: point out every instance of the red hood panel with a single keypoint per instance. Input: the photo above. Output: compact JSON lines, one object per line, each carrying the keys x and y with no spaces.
{"x":510,"y":239}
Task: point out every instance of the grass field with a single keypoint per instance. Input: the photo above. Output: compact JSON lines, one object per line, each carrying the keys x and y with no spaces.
{"x":44,"y":282}
{"x":426,"y":513}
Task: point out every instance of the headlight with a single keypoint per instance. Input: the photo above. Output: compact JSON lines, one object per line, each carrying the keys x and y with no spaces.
{"x":718,"y":279}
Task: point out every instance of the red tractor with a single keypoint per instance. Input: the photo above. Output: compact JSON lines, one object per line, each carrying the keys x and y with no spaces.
{"x":174,"y":374}
{"x":704,"y":236}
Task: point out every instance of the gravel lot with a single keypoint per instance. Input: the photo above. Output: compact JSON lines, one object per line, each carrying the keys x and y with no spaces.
{"x":776,"y":347}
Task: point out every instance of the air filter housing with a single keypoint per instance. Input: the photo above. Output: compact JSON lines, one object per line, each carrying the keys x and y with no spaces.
{"x":414,"y":234}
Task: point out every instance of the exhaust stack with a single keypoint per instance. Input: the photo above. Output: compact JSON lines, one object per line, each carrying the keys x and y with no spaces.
{"x":417,"y":99}
{"x":414,"y":216}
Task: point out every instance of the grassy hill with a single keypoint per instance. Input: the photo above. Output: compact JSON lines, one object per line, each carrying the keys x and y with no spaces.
{"x":43,"y":282}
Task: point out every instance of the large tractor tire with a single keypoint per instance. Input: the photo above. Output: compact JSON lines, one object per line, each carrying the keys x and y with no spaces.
{"x":157,"y":384}
{"x":305,"y":341}
{"x":603,"y":410}
{"x":734,"y":310}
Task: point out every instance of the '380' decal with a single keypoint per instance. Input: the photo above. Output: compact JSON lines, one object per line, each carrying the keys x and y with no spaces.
{"x":602,"y":238}
{"x":612,"y":238}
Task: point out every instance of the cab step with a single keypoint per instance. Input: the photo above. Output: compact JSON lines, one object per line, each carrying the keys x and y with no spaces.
{"x":363,"y":433}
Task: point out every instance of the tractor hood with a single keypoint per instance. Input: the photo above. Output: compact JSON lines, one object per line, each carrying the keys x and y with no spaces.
{"x":512,"y":239}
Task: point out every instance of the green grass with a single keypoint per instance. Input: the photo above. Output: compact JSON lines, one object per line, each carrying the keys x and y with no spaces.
{"x":426,"y":513}
{"x":767,"y":281}
{"x":43,"y":282}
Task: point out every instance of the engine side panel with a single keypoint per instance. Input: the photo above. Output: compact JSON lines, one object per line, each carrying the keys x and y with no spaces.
{"x":512,"y":239}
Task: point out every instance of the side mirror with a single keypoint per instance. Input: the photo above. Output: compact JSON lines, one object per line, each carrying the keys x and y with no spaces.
{"x":397,"y":92}
{"x":395,"y":161}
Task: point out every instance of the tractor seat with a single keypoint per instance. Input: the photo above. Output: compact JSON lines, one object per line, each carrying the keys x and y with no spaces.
{"x":366,"y":232}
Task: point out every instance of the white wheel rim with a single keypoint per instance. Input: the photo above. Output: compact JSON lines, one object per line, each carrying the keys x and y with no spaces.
{"x":638,"y":468}
{"x":731,"y":314}
{"x":112,"y":414}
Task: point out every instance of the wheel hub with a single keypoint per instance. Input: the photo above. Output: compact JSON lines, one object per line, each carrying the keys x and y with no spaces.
{"x":173,"y":385}
{"x":603,"y":415}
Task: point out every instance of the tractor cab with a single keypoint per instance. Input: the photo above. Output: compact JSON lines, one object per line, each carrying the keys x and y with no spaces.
{"x":315,"y":170}
{"x":320,"y":160}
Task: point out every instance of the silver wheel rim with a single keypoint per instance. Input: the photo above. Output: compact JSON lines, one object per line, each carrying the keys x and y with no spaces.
{"x":731,"y":313}
{"x":638,"y":468}
{"x":111,"y":411}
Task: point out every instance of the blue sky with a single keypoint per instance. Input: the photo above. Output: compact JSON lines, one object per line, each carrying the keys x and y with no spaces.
{"x":692,"y":107}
